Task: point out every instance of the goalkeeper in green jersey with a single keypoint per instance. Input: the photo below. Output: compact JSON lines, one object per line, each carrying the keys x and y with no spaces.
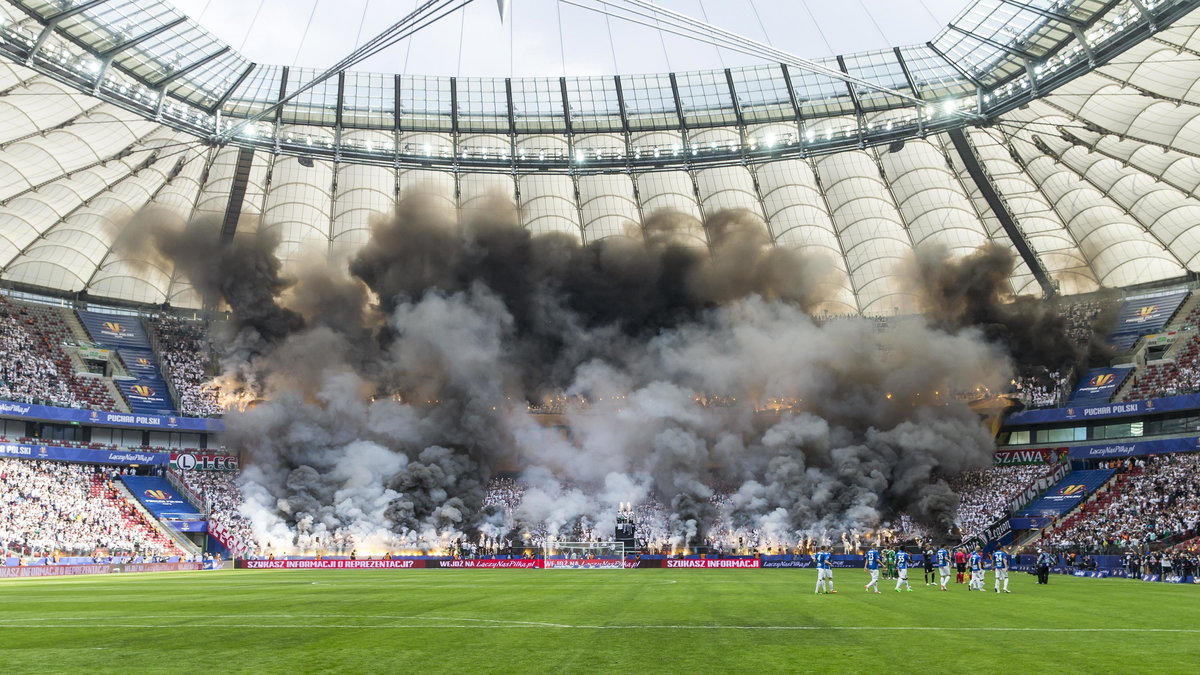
{"x":889,"y":557}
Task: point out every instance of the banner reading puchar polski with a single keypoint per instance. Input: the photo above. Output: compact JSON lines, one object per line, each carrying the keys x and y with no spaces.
{"x":14,"y":409}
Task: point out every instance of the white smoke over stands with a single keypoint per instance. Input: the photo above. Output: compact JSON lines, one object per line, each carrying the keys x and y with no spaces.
{"x":389,"y":392}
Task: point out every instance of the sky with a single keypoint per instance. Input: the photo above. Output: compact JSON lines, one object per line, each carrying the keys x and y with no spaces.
{"x":550,"y":38}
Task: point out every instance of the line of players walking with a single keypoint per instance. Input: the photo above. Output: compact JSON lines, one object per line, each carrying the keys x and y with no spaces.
{"x":895,"y":563}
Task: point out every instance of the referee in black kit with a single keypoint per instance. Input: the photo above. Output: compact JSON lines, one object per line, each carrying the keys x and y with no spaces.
{"x":1044,"y":560}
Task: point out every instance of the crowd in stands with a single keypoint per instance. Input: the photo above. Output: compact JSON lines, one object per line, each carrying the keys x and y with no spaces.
{"x":1047,"y":389}
{"x":1152,"y":501}
{"x":223,"y":499}
{"x":1081,"y":319}
{"x":33,"y":366}
{"x":71,"y":509}
{"x":984,"y":495}
{"x":182,"y":349}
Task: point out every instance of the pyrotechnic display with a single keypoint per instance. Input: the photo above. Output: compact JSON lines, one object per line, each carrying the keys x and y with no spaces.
{"x":387,"y":391}
{"x":748,"y":336}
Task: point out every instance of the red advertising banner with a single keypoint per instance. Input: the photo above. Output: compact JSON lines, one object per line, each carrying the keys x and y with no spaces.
{"x":491,"y":564}
{"x":330,"y":564}
{"x":589,"y":564}
{"x":735,"y":563}
{"x":1036,"y":456}
{"x":71,"y":570}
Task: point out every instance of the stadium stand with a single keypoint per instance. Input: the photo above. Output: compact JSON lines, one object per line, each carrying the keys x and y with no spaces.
{"x":52,"y":507}
{"x":1143,"y":315}
{"x":984,"y":495}
{"x":181,"y":346}
{"x":222,"y":500}
{"x":148,"y":393}
{"x":1152,"y":501}
{"x":1169,"y":379}
{"x":34,"y":367}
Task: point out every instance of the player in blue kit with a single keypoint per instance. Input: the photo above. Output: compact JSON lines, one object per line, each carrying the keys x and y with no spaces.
{"x":873,"y":562}
{"x":902,"y":562}
{"x":978,"y":575}
{"x":824,"y":570}
{"x":943,"y":565}
{"x":1000,"y":562}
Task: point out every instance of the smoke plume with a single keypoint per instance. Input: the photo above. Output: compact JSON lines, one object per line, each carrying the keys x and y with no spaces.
{"x":645,"y":370}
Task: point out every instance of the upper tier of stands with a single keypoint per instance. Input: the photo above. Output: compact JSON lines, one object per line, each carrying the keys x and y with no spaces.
{"x":34,"y":367}
{"x":183,"y":349}
{"x":1170,"y":378}
{"x":1144,"y":315}
{"x":148,"y":393}
{"x":72,"y":509}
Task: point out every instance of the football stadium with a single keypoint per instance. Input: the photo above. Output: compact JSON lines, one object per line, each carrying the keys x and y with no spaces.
{"x":567,"y":335}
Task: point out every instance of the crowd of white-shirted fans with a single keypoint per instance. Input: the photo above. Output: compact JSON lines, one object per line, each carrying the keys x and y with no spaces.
{"x":222,"y":498}
{"x":25,"y":375}
{"x":49,"y":508}
{"x":1156,"y":500}
{"x":182,"y":349}
{"x":984,"y":495}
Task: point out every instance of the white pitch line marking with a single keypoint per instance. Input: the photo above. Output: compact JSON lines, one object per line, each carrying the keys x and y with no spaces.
{"x":500,"y":624}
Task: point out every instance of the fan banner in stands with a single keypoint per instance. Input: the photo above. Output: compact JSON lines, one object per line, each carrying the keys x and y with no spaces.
{"x":201,"y":461}
{"x":146,"y":394}
{"x":1098,"y":384}
{"x":1037,"y":456}
{"x":1135,"y":448}
{"x":160,"y":498}
{"x":113,"y":329}
{"x":720,"y":563}
{"x":125,"y":457}
{"x":1035,"y":523}
{"x":1103,"y":411}
{"x":117,"y":419}
{"x":1067,"y":493}
{"x":490,"y":564}
{"x":140,"y":363}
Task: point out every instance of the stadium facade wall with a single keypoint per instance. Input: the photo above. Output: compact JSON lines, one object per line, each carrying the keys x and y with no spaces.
{"x":1103,"y":411}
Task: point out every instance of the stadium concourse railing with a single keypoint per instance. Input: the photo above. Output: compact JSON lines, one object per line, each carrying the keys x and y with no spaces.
{"x":176,"y":480}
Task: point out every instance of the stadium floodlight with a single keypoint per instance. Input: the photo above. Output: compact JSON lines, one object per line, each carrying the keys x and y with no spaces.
{"x":584,"y":555}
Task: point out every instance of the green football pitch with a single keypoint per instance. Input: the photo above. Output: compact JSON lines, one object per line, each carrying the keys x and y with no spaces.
{"x":459,"y":621}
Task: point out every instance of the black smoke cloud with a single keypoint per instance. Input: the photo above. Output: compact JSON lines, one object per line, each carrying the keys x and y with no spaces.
{"x":973,"y":291}
{"x":391,"y":389}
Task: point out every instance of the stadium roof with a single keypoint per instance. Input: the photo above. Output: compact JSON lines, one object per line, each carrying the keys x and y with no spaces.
{"x":1063,"y":129}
